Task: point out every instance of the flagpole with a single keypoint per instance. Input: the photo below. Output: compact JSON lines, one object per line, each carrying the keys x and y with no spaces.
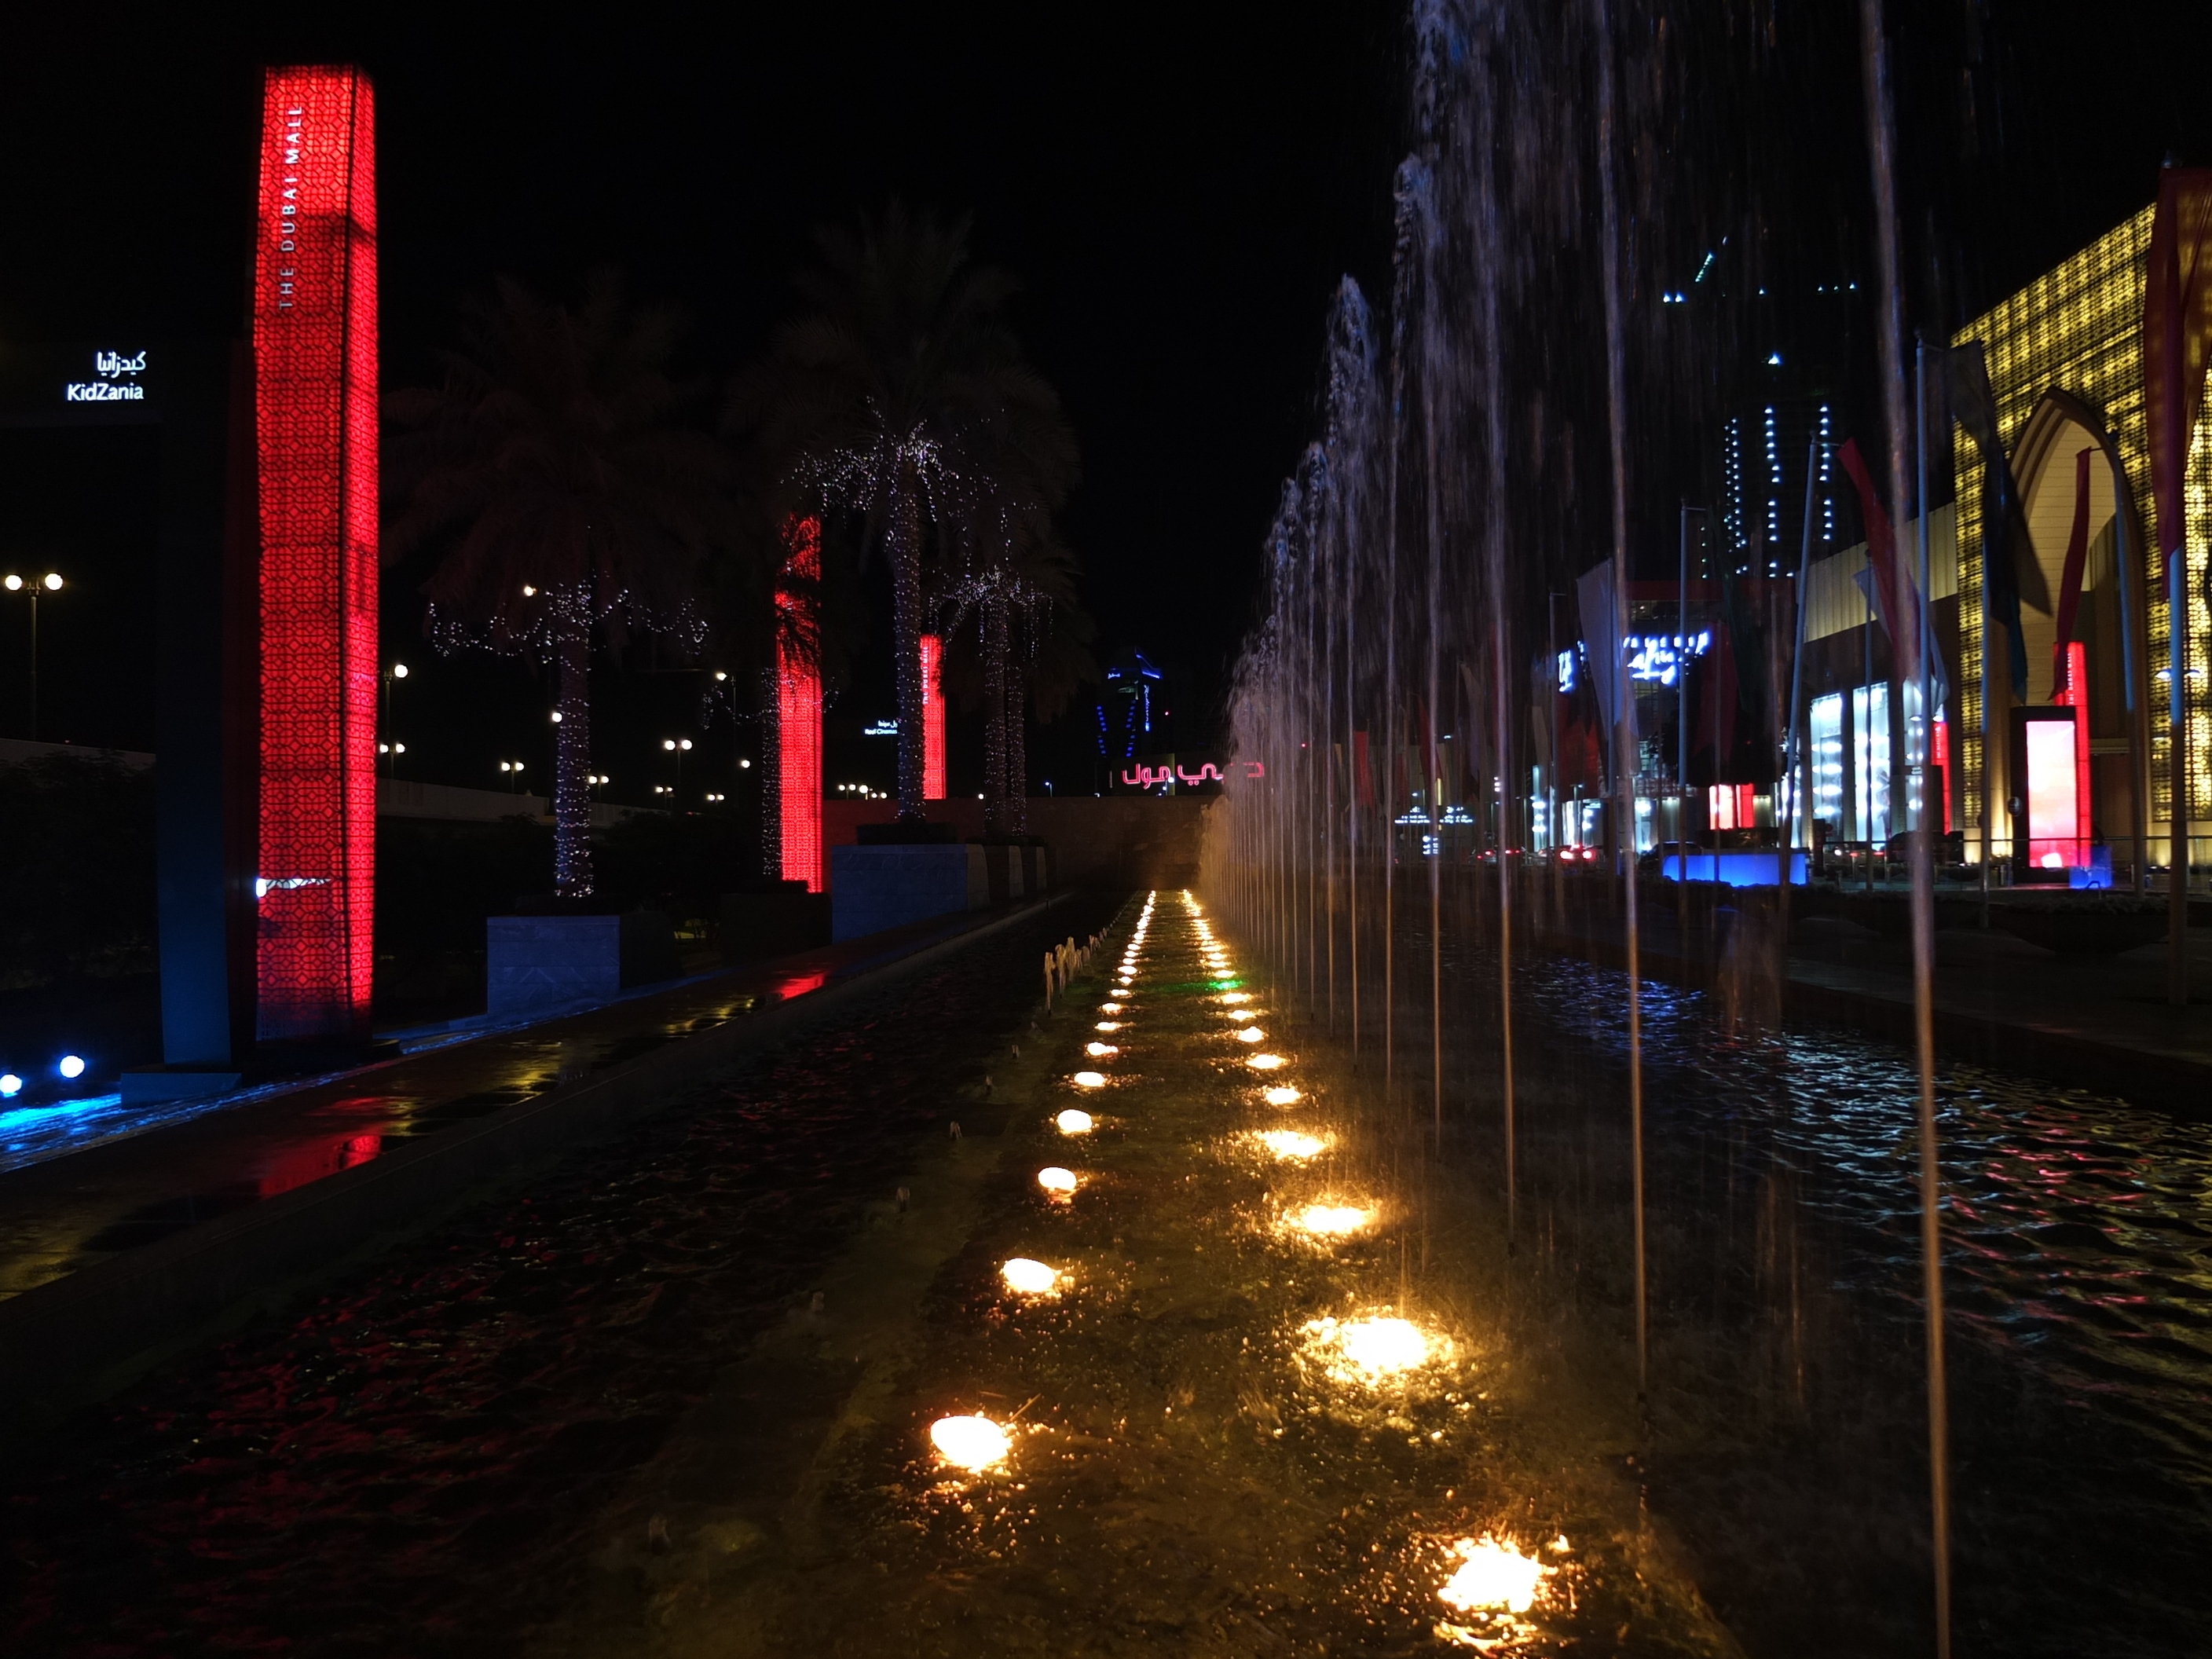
{"x":1682,"y":743}
{"x":1930,"y":813}
{"x":1797,"y":686}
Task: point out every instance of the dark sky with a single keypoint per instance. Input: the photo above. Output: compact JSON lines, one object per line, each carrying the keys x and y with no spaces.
{"x":1179,"y":187}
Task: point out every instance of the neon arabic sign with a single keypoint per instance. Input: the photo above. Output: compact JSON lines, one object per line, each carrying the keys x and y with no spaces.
{"x":1653,"y":658}
{"x":1144,"y":777}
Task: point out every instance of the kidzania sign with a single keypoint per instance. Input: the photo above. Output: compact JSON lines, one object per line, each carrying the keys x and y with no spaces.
{"x":118,"y":381}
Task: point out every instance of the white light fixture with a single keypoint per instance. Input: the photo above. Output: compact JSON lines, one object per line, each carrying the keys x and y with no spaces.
{"x":970,"y":1443}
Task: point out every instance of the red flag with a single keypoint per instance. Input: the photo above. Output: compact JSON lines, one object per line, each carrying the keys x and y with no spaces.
{"x":1895,"y":596}
{"x":2177,"y":336}
{"x":2077,"y":560}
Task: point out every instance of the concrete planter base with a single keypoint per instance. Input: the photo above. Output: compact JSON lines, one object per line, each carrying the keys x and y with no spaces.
{"x":756,"y":926}
{"x":873,"y":887}
{"x":544,"y":962}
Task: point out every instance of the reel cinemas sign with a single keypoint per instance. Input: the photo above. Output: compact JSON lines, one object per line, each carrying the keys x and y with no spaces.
{"x":116,"y":380}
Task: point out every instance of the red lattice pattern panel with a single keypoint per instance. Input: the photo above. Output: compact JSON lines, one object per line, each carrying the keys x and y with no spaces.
{"x":314,"y":354}
{"x":932,"y":718}
{"x":799,"y":717}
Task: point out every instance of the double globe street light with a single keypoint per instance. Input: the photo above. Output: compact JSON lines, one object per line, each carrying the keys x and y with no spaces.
{"x":34,"y":585}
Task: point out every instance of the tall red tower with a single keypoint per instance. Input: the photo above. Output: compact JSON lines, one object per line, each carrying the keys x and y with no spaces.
{"x":933,"y":717}
{"x":315,"y":431}
{"x":799,"y":708}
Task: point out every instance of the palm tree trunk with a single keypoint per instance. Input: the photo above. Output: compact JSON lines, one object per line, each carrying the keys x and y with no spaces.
{"x":995,"y":716}
{"x":906,"y":625}
{"x":1018,"y":755}
{"x":771,"y":771}
{"x":572,"y":759}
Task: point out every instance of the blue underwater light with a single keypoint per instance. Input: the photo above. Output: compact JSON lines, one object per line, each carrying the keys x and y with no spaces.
{"x":10,"y":1086}
{"x":71,"y":1067}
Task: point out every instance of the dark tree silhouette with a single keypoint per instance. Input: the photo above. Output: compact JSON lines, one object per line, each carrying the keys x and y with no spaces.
{"x":567,"y":502}
{"x":901,"y":398}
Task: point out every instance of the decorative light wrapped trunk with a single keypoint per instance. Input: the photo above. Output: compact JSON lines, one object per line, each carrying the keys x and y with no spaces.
{"x":314,"y":354}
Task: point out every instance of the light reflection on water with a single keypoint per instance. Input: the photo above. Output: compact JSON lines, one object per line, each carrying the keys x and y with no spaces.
{"x":2075,"y":1225}
{"x":1788,"y":1431}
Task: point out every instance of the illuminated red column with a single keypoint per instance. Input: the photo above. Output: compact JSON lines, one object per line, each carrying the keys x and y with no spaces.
{"x":799,"y":710}
{"x":932,"y":718}
{"x":315,"y":366}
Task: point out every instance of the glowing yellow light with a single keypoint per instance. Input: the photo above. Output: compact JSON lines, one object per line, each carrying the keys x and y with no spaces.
{"x":1090,"y":1080}
{"x":1251,"y":1034}
{"x":1331,"y":1220}
{"x":1109,"y":1007}
{"x":1054,"y":1179}
{"x":1028,"y":1278}
{"x":1100,"y":1050}
{"x":970,"y":1443}
{"x":1291,"y":1143}
{"x":1265,"y":1062}
{"x":1282,"y":1095}
{"x":1234,"y":997}
{"x":1494,"y":1575}
{"x":1072,"y":1122}
{"x":1374,"y":1348}
{"x":1108,"y":1025}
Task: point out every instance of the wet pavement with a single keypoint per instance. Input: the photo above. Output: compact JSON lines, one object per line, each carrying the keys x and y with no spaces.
{"x":1221,"y":1416}
{"x":81,"y":1181}
{"x":610,"y":1417}
{"x":403,"y":1465}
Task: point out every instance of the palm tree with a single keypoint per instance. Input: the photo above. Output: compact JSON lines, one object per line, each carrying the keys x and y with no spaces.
{"x":1018,"y":586}
{"x":903,"y":399}
{"x":565,"y":499}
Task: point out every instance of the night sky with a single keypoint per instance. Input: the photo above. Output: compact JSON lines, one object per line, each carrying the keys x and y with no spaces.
{"x":1179,"y":188}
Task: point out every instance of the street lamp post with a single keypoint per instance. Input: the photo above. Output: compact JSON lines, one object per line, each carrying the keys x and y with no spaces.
{"x":679,"y":747}
{"x":513,"y":770}
{"x":391,"y":747}
{"x":33,"y":585}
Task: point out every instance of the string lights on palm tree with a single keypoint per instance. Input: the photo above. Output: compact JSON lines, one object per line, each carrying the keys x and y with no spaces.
{"x":567,"y":503}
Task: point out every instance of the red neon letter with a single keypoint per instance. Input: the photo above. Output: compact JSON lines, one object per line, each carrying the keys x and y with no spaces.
{"x":314,"y":357}
{"x":798,"y":709}
{"x":932,"y":718}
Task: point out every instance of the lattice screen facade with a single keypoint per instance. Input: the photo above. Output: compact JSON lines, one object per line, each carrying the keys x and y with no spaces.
{"x":2079,"y":328}
{"x":799,"y":711}
{"x":933,"y":717}
{"x":314,"y":354}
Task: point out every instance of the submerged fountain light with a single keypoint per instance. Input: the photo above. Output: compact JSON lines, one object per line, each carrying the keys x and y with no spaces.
{"x":1233,"y":998}
{"x":1108,"y":1025}
{"x":1090,"y":1080}
{"x":1100,"y":1050}
{"x":1028,"y":1278}
{"x":1294,"y":1144}
{"x":1109,"y":1007}
{"x":1330,"y":1220}
{"x":1493,"y":1576}
{"x":1072,"y":1122}
{"x":975,"y":1444}
{"x":1373,"y":1349}
{"x":1251,"y":1034}
{"x":1265,"y":1062}
{"x":1054,"y":1179}
{"x":1282,"y":1095}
